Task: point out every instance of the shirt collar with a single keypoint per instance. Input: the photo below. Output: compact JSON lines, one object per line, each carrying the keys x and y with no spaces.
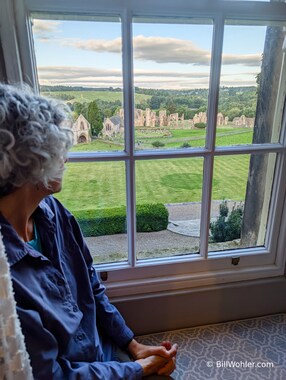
{"x":45,"y":208}
{"x":15,"y":248}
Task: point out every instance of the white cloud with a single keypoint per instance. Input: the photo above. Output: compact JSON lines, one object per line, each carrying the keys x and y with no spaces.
{"x":102,"y":46}
{"x":169,"y":50}
{"x":44,"y":29}
{"x":75,"y":72}
{"x":92,"y":77}
{"x":243,"y":59}
{"x":162,"y":50}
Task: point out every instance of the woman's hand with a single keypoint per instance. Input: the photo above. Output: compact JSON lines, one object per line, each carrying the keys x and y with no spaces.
{"x":156,"y":364}
{"x":142,"y":351}
{"x":154,"y":359}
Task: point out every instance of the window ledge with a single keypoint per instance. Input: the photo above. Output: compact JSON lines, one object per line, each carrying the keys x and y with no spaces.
{"x":144,"y":287}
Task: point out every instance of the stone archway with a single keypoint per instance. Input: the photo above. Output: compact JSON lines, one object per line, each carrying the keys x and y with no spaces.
{"x":82,"y":139}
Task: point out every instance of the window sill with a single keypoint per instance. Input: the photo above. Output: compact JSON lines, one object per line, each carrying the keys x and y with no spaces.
{"x":121,"y":290}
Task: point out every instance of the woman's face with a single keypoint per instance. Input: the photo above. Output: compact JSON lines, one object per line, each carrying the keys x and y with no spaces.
{"x":56,"y":185}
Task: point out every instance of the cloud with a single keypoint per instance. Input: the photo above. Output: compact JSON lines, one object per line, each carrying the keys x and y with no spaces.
{"x":163,"y":50}
{"x":243,"y":59}
{"x":169,"y":50}
{"x":81,"y":72}
{"x":44,"y":29}
{"x":70,"y":72}
{"x":101,"y":46}
{"x":92,"y":77}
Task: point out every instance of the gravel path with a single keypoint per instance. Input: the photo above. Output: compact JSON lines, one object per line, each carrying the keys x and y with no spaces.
{"x":153,"y":244}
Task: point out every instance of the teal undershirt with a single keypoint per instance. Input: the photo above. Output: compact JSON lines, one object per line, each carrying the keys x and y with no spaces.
{"x":36,"y":242}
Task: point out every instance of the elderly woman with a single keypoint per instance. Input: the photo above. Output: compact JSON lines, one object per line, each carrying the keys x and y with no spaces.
{"x":71,"y":329}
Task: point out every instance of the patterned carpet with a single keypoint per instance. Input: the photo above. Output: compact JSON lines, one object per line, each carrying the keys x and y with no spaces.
{"x":250,"y":349}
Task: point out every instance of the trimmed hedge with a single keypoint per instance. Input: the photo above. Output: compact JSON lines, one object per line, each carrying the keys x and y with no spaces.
{"x":200,"y":125}
{"x":99,"y":222}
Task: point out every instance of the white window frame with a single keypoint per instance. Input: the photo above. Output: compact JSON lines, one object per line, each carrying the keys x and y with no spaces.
{"x":182,"y":272}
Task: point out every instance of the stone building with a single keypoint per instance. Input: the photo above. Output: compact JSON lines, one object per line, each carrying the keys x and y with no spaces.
{"x":221,"y":120}
{"x":201,"y":117}
{"x":112,"y":126}
{"x":162,"y":118}
{"x":81,"y":131}
{"x":242,"y":121}
{"x":148,"y":118}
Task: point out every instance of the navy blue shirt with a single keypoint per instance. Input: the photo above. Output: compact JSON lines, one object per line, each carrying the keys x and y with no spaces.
{"x":62,"y":306}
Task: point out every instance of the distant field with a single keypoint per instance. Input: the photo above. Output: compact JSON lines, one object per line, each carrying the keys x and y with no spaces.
{"x":88,"y":96}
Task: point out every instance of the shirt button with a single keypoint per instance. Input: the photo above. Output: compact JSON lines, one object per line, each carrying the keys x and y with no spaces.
{"x":80,"y":337}
{"x":75,"y":308}
{"x":60,"y":282}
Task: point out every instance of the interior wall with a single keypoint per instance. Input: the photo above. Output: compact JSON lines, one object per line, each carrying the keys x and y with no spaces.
{"x":171,"y":311}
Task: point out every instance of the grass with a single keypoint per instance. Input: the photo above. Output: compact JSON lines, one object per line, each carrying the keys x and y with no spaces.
{"x":196,"y":138}
{"x":88,"y":96}
{"x":97,"y":145}
{"x":102,"y":184}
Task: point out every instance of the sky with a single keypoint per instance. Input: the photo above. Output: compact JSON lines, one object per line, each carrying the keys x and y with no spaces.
{"x":165,"y":56}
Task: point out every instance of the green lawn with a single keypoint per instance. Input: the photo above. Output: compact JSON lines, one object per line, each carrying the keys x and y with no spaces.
{"x":102,"y":184}
{"x":97,"y":145}
{"x":196,"y":138}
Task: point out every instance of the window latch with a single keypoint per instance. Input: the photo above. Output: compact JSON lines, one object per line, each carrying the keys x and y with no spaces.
{"x":235,"y":260}
{"x":104,"y":276}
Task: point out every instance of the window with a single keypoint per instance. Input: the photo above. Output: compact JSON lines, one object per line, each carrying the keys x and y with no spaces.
{"x":186,"y":112}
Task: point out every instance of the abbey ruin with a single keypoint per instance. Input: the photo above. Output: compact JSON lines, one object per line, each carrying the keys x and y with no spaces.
{"x":115,"y":124}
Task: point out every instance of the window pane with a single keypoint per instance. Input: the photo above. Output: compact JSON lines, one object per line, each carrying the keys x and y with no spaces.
{"x":168,"y":195}
{"x":80,"y":62}
{"x":172,"y":69}
{"x":95,"y":194}
{"x":242,"y":187}
{"x":252,"y":89}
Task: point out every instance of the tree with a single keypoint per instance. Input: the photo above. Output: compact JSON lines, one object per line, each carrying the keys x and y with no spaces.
{"x":233,"y":112}
{"x":171,"y":106}
{"x":95,"y":118}
{"x":155,"y":102}
{"x":80,"y":108}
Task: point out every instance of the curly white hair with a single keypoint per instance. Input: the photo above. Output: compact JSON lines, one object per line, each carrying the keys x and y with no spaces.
{"x":35,"y":136}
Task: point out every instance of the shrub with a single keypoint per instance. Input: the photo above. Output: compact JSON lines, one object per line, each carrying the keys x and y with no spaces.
{"x":185,"y":145}
{"x":151,"y":217}
{"x":227,"y":228}
{"x":99,"y":222}
{"x":200,"y":125}
{"x":157,"y":144}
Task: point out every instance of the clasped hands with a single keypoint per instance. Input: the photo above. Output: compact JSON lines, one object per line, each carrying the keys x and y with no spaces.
{"x":160,"y":360}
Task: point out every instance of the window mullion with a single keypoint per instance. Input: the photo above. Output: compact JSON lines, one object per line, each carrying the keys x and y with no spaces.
{"x":26,"y":48}
{"x":128,"y":101}
{"x":211,"y":133}
{"x":9,"y":43}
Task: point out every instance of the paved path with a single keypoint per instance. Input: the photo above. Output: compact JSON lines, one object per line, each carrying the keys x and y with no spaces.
{"x":184,"y":218}
{"x":181,"y":237}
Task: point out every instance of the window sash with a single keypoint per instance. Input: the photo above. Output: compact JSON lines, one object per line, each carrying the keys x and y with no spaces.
{"x":21,"y":51}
